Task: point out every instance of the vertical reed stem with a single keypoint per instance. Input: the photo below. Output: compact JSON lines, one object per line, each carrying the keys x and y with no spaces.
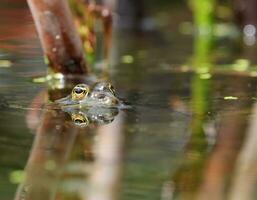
{"x":60,"y":41}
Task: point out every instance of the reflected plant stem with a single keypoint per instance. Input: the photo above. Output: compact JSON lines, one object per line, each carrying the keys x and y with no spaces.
{"x":59,"y":38}
{"x":229,"y":140}
{"x":52,"y":145}
{"x":104,"y":180}
{"x":245,"y":178}
{"x":222,"y":159}
{"x":189,"y":177}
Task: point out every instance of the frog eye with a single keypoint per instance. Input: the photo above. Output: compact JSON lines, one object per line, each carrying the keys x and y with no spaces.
{"x":111,"y":88}
{"x":104,"y":87}
{"x":80,"y":119}
{"x":79,"y":92}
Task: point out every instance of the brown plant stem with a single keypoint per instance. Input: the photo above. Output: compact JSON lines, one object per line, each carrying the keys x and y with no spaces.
{"x":59,"y":39}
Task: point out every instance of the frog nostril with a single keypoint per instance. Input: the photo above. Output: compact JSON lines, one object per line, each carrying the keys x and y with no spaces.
{"x":115,"y":101}
{"x":101,"y":96}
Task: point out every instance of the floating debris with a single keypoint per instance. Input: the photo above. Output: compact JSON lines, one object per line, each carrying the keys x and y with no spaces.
{"x":127,"y":59}
{"x":202,"y":70}
{"x":5,"y":63}
{"x":39,"y":80}
{"x":241,"y":65}
{"x":50,"y":77}
{"x":230,"y":98}
{"x":17,"y":176}
{"x":205,"y":76}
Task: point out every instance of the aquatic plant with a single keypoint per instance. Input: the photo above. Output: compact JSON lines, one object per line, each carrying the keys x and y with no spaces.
{"x":60,"y":41}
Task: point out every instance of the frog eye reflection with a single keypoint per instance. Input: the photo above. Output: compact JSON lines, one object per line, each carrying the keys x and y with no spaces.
{"x":79,"y":92}
{"x":80,"y":119}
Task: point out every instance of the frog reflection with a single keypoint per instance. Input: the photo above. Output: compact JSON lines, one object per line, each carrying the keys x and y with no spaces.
{"x":85,"y":105}
{"x":98,"y":115}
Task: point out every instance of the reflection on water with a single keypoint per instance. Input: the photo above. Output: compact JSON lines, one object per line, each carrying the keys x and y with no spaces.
{"x":187,"y":135}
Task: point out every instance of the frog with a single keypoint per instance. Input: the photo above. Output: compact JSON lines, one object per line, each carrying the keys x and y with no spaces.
{"x":102,"y":94}
{"x":96,"y":104}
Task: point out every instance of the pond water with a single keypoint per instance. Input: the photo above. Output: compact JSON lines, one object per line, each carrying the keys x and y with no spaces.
{"x":186,"y":135}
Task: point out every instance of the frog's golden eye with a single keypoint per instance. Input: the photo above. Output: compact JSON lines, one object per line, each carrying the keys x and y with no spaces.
{"x":79,"y":92}
{"x":111,"y":88}
{"x":80,"y":119}
{"x":104,"y":87}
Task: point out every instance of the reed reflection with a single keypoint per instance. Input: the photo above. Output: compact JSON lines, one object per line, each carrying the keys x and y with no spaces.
{"x":220,"y":109}
{"x":56,"y":148}
{"x":53,"y":142}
